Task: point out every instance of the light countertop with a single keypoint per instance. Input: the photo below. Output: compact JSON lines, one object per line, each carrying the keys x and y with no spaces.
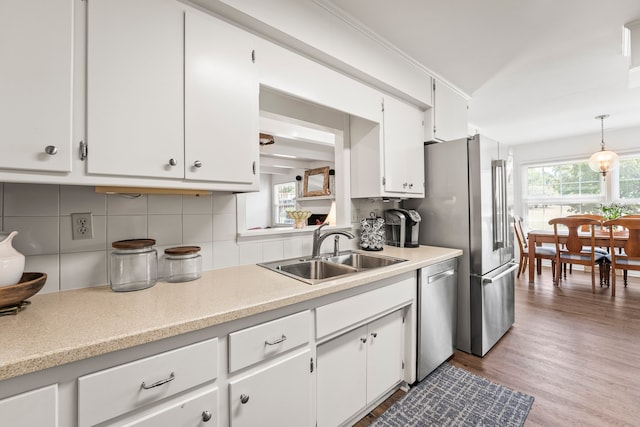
{"x":63,"y":327}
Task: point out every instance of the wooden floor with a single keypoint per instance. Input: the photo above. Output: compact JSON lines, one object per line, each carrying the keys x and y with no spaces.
{"x":576,"y":352}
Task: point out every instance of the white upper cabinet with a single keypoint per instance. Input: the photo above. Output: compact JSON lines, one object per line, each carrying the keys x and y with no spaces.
{"x":36,"y":47}
{"x":221,"y":102}
{"x":387,"y":160}
{"x":448,"y":119}
{"x":403,"y":148}
{"x":172,"y":93}
{"x":135,"y":88}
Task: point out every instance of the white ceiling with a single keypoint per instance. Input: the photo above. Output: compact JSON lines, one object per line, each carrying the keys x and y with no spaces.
{"x":535,"y":69}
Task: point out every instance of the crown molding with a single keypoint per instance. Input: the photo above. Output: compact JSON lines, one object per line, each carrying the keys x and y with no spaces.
{"x":354,"y":23}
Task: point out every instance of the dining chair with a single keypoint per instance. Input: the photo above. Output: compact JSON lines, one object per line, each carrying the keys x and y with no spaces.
{"x":629,"y":257}
{"x":541,"y":252}
{"x":604,"y":270}
{"x":624,"y":272}
{"x":574,"y":251}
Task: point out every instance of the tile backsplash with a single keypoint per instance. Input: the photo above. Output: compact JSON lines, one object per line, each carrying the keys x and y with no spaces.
{"x":42,"y":216}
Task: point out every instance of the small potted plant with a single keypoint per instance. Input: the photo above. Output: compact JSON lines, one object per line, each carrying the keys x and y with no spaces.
{"x":614,"y":210}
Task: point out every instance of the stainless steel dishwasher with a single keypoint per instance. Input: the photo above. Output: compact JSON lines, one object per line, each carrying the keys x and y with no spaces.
{"x":437,"y":315}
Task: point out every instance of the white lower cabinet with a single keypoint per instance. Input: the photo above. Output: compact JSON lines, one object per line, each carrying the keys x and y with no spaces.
{"x":384,"y":354}
{"x":33,"y":408}
{"x":342,"y":378}
{"x":358,"y":367}
{"x":277,"y":395}
{"x":198,"y":410}
{"x":116,"y":391}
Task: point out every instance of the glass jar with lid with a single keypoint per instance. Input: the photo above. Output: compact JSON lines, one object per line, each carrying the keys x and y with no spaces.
{"x":182,"y":264}
{"x":134,"y":265}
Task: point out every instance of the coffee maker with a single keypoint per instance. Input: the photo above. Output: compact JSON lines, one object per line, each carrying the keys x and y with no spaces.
{"x":402,"y":227}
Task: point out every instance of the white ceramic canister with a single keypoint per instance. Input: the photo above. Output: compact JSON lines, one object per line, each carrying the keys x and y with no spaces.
{"x":11,"y":261}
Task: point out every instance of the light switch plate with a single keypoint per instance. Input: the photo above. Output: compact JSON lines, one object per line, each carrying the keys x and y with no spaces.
{"x":82,"y":226}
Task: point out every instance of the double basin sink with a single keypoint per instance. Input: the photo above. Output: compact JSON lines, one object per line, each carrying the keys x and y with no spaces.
{"x":325,"y":267}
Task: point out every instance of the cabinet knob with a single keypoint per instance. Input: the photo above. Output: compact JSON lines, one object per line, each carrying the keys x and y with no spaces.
{"x":404,"y":185}
{"x":197,"y":164}
{"x":363,"y":339}
{"x":51,"y":150}
{"x":173,"y":162}
{"x":411,"y":185}
{"x":244,"y":398}
{"x":374,"y":334}
{"x":206,"y":416}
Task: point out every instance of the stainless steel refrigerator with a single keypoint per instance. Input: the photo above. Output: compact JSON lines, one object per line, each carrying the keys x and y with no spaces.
{"x":468,"y":205}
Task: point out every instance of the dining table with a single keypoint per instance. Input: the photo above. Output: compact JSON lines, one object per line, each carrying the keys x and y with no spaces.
{"x":602,"y":239}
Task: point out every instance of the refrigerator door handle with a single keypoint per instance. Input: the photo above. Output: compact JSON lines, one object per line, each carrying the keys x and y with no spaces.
{"x":499,"y":203}
{"x":513,"y":267}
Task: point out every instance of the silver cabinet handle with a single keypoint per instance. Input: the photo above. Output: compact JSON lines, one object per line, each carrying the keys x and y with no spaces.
{"x":158,"y":383}
{"x":439,"y":276}
{"x":374,"y":334}
{"x":173,"y":162}
{"x":51,"y":150}
{"x":363,"y":339}
{"x":197,"y":164}
{"x":206,"y":416}
{"x":278,"y":341}
{"x":244,"y":398}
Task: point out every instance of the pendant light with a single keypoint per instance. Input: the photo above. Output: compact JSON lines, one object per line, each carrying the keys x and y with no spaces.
{"x":603,"y":161}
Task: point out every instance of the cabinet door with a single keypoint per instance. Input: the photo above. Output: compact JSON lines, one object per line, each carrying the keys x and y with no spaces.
{"x":341,"y":377}
{"x":403,"y":153}
{"x":450,"y":114}
{"x":194,"y":411}
{"x":278,"y":395}
{"x":384,"y":354}
{"x":221,"y":102}
{"x":135,"y":88}
{"x":34,"y":408}
{"x":36,"y":84}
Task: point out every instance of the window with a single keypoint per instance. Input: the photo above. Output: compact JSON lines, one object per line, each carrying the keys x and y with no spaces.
{"x":560,"y":189}
{"x":284,"y":199}
{"x":629,"y":180}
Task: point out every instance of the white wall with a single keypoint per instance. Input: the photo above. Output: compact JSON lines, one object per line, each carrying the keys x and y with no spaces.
{"x":41,"y":215}
{"x":313,"y":28}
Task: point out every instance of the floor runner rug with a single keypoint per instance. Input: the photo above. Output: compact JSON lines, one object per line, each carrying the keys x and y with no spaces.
{"x":452,"y":396}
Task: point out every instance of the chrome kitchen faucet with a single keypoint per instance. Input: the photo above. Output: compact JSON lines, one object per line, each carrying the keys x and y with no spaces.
{"x":319,"y":238}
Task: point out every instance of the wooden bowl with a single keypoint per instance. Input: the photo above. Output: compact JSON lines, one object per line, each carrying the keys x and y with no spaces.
{"x":29,"y":285}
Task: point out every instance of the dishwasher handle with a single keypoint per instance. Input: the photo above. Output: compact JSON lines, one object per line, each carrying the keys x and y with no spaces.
{"x":514,"y":267}
{"x":441,"y":275}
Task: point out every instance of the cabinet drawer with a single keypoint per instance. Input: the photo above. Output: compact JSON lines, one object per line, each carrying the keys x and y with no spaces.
{"x":33,"y":408}
{"x":342,"y":314}
{"x":192,"y":411}
{"x":118,"y":390}
{"x":260,"y":342}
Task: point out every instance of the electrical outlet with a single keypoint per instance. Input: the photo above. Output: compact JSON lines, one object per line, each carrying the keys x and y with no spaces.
{"x":81,"y":226}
